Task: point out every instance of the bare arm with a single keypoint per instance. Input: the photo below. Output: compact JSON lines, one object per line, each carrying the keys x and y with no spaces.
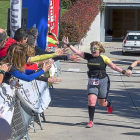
{"x":114,"y":67}
{"x":66,"y":41}
{"x":129,"y":70}
{"x":135,"y":63}
{"x":55,"y":38}
{"x":57,"y":42}
{"x":80,"y":53}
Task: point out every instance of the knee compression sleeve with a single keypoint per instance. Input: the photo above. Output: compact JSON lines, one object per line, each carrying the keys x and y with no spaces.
{"x":108,"y":103}
{"x":91,"y":111}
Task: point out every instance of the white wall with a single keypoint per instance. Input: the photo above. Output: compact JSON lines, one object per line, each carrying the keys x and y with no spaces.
{"x":92,"y":35}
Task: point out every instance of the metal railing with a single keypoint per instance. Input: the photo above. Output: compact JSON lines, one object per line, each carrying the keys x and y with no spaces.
{"x":18,"y":125}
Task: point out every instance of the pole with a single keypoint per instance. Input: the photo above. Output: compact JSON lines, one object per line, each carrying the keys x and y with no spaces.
{"x":15,"y":15}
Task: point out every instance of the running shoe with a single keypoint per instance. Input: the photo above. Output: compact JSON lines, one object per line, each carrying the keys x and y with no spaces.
{"x":90,"y":124}
{"x":110,"y":109}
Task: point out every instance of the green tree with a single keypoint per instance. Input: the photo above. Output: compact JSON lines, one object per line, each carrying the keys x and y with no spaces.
{"x":66,"y":4}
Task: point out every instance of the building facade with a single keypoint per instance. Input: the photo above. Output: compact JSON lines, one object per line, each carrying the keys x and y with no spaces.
{"x":118,"y":17}
{"x":114,"y":20}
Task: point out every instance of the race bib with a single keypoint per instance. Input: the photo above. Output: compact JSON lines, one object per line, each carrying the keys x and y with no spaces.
{"x":93,"y":81}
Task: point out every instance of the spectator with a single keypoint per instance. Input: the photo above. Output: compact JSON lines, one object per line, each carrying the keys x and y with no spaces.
{"x":21,"y":36}
{"x":38,"y":51}
{"x":16,"y":56}
{"x":51,"y":40}
{"x":5,"y":128}
{"x":4,"y":42}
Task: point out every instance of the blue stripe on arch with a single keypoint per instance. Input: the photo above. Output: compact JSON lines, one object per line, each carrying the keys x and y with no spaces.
{"x":38,"y":16}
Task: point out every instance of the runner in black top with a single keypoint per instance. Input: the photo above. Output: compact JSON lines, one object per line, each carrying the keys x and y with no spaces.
{"x":98,"y":80}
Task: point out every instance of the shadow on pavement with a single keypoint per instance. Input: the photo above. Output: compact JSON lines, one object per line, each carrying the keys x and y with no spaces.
{"x":116,"y":125}
{"x":122,"y":103}
{"x":132,"y":133}
{"x":127,"y":54}
{"x":68,"y":124}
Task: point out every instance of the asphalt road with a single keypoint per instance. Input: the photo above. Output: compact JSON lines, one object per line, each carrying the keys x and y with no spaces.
{"x":67,"y":117}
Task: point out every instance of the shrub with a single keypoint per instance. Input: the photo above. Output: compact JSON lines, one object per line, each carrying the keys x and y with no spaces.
{"x":76,"y":22}
{"x":66,"y":4}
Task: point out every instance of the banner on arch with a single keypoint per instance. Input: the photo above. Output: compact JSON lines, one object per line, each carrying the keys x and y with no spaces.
{"x":15,"y":16}
{"x":53,"y":16}
{"x":38,"y":17}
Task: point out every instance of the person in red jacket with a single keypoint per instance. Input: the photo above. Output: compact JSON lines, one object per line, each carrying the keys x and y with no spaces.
{"x":51,"y":40}
{"x":4,"y":45}
{"x":20,"y":37}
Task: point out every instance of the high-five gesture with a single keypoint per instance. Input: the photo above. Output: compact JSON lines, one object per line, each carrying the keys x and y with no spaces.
{"x":65,"y":40}
{"x":128,"y":73}
{"x":75,"y":58}
{"x":61,"y":51}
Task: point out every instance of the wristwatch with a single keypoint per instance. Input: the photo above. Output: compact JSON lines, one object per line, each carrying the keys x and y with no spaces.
{"x":68,"y":44}
{"x":123,"y":72}
{"x":2,"y":72}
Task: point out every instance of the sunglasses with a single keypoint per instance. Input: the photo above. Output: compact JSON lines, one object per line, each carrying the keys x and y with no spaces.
{"x":94,"y":48}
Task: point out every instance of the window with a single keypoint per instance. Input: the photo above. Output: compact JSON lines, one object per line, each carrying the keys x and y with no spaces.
{"x":133,"y":37}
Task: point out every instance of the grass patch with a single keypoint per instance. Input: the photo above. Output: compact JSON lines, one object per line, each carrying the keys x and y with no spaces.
{"x":63,"y":11}
{"x":4,"y":5}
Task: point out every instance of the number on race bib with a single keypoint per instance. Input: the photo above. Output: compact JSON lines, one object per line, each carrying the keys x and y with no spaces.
{"x":93,"y":81}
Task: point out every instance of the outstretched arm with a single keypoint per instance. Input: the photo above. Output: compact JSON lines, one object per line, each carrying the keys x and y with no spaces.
{"x":135,"y":63}
{"x":41,"y":58}
{"x":130,"y":68}
{"x":29,"y":76}
{"x":78,"y":52}
{"x":26,"y":77}
{"x":114,"y":67}
{"x":39,"y":51}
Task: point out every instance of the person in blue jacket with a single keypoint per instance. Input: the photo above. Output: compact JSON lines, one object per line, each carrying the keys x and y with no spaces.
{"x":16,"y":56}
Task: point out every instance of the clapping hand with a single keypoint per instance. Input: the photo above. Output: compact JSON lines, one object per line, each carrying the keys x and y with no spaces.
{"x":47,"y":64}
{"x":6,"y":67}
{"x":54,"y":80}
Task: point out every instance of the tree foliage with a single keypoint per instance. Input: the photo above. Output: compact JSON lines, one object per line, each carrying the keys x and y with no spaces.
{"x":66,"y":4}
{"x":76,"y":22}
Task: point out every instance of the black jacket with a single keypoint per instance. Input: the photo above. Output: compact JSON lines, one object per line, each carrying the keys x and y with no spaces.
{"x":39,"y":51}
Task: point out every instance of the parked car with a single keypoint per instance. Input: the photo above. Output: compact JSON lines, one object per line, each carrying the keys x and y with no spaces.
{"x":131,"y":43}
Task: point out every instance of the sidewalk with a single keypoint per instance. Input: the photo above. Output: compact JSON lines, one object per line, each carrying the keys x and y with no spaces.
{"x":68,"y":116}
